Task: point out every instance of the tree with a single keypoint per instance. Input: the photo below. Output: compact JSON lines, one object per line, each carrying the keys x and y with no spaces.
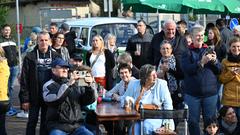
{"x":3,"y":14}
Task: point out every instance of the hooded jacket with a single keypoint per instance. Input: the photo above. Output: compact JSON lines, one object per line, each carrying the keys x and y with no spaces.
{"x":29,"y":80}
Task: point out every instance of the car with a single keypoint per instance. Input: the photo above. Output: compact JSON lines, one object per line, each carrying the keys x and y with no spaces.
{"x":87,"y":28}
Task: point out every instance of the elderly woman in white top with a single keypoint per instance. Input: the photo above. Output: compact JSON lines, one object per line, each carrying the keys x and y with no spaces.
{"x":152,"y":91}
{"x":119,"y":89}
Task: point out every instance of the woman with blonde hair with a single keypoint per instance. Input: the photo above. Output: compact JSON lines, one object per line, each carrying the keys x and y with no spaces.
{"x":4,"y":99}
{"x":102,"y":62}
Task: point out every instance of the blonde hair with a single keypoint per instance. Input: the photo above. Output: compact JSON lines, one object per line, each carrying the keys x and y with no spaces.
{"x":2,"y":52}
{"x":102,"y":48}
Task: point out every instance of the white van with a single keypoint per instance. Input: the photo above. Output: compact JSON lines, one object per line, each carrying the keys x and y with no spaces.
{"x":86,"y":28}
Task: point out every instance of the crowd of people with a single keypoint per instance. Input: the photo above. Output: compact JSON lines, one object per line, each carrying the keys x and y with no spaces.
{"x":176,"y":67}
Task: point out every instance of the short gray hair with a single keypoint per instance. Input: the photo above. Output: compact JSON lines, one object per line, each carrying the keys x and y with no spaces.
{"x":196,"y":28}
{"x":169,"y":21}
{"x":145,"y":72}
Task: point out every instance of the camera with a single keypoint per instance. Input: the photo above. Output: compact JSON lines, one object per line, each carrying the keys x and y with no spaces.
{"x":82,"y":74}
{"x":81,"y":81}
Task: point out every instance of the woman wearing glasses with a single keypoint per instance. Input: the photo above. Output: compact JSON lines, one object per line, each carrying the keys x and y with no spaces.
{"x":59,"y":48}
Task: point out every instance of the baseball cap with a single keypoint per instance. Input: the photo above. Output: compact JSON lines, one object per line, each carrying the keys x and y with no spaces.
{"x":64,"y":27}
{"x":36,"y":30}
{"x":77,"y":56}
{"x":59,"y":62}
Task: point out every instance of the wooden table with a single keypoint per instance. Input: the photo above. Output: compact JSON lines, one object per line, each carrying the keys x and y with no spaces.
{"x":112,"y":111}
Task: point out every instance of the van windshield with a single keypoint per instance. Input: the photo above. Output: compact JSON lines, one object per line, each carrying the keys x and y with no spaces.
{"x":122,"y":32}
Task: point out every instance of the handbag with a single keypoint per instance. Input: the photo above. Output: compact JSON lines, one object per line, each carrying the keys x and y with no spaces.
{"x":145,"y":106}
{"x":150,"y":107}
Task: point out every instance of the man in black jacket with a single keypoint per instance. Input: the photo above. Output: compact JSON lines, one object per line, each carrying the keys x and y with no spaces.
{"x":36,"y":71}
{"x":179,"y":43}
{"x":69,"y":38}
{"x":66,"y":97}
{"x":139,"y":45}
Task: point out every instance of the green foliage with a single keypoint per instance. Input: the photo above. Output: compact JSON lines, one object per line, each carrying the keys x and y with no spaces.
{"x":3,"y":14}
{"x":192,"y":17}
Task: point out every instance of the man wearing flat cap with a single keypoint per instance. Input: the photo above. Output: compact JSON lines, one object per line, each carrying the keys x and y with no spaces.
{"x":64,"y":98}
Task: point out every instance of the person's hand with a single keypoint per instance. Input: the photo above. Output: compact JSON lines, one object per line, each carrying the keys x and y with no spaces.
{"x":206,"y":58}
{"x":164,"y":67}
{"x":137,"y":53}
{"x":236,"y":71}
{"x":213,"y":56}
{"x":73,"y":77}
{"x":115,"y":97}
{"x":25,"y":106}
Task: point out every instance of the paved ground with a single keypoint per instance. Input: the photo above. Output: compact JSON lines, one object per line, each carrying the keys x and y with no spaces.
{"x":14,"y":125}
{"x":17,"y":126}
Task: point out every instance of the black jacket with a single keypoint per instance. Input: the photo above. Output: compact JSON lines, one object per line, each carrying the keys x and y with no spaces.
{"x":109,"y":64}
{"x":64,"y":104}
{"x":179,"y":47}
{"x":145,"y":42}
{"x":69,"y":42}
{"x":29,"y":83}
{"x":10,"y":48}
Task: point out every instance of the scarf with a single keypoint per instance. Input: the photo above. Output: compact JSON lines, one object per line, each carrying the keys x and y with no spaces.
{"x":229,"y":128}
{"x":233,"y":58}
{"x":172,"y":82}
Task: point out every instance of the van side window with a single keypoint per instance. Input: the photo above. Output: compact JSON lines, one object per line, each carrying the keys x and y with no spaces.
{"x":84,"y":36}
{"x":76,"y":30}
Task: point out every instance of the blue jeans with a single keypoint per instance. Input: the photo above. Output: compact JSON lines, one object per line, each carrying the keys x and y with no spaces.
{"x":13,"y":75}
{"x":208,"y":107}
{"x":82,"y":130}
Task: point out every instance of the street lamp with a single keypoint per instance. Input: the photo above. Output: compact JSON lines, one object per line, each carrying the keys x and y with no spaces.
{"x":18,"y":35}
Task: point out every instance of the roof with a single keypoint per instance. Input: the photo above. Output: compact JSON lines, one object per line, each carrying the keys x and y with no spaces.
{"x":98,"y":21}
